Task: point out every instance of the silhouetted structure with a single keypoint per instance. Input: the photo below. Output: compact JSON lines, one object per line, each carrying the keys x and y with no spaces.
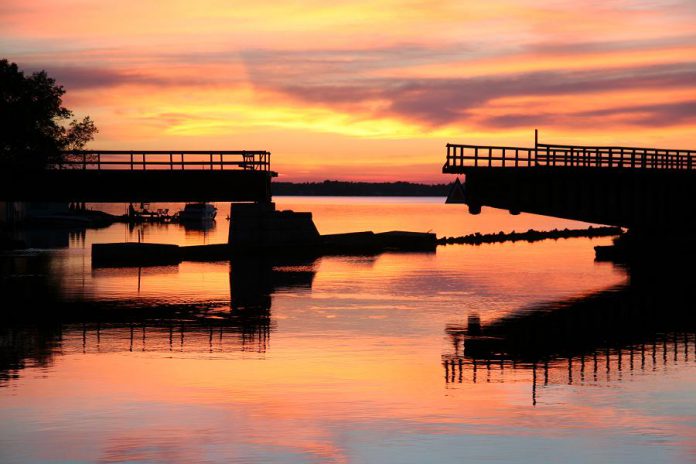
{"x":456,"y":193}
{"x":144,"y":176}
{"x":648,"y":190}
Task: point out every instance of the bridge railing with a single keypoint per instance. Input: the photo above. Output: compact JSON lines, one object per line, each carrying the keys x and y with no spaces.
{"x":463,"y":156}
{"x":488,"y":156}
{"x":164,"y":160}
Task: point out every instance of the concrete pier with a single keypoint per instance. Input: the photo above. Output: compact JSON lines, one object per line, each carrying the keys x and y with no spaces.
{"x":261,"y":226}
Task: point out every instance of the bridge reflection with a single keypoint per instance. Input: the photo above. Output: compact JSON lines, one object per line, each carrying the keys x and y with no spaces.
{"x":39,"y":324}
{"x":644,"y":326}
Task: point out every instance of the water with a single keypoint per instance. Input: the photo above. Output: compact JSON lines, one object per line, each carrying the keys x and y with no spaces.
{"x":347,"y":359}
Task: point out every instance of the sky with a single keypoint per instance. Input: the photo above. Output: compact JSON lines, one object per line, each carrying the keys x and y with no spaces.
{"x":365,"y":90}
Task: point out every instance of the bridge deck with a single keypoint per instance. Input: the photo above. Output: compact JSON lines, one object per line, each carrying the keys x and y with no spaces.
{"x":130,"y":176}
{"x":463,"y":157}
{"x":649,"y":189}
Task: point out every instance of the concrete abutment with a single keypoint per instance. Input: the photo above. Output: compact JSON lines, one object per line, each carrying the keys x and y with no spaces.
{"x":261,"y":226}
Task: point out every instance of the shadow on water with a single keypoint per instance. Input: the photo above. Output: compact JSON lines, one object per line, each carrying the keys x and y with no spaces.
{"x":638,"y":327}
{"x":37,"y":322}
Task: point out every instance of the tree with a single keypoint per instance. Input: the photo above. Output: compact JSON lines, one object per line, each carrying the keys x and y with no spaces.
{"x":35,"y":127}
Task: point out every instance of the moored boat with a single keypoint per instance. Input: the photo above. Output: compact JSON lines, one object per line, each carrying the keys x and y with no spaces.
{"x":197,"y":212}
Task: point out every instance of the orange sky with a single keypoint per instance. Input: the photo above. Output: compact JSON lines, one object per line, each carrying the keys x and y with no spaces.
{"x":365,"y":90}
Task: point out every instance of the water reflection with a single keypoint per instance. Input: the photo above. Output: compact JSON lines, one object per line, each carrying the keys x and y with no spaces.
{"x":39,"y":323}
{"x":336,"y":360}
{"x":204,"y":225}
{"x":253,"y":280}
{"x":645,"y":325}
{"x":45,"y":238}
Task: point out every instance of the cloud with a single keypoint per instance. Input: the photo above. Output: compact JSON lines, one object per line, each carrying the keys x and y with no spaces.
{"x":317,"y":65}
{"x":436,"y":101}
{"x":89,"y":78}
{"x":659,"y":115}
{"x":81,"y":78}
{"x":343,"y":82}
{"x":649,"y":116}
{"x":624,"y":45}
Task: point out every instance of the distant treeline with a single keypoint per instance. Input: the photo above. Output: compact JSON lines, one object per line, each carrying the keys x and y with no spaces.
{"x":340,"y":188}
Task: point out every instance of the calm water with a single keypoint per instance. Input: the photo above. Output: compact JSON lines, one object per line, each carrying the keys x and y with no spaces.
{"x":507,"y":352}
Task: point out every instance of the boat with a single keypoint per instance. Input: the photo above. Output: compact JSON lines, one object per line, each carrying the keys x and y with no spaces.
{"x":143,"y":213}
{"x":197,"y":212}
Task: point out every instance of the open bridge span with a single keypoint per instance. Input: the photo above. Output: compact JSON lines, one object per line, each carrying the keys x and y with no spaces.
{"x":643,"y":189}
{"x":137,"y":175}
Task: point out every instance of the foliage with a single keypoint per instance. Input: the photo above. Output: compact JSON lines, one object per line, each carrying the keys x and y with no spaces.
{"x":35,"y":127}
{"x":340,"y":188}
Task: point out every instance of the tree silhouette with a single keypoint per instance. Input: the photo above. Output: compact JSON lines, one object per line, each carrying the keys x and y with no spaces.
{"x":35,"y":127}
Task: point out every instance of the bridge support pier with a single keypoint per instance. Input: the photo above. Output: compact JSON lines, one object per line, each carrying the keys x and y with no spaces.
{"x":255,"y":226}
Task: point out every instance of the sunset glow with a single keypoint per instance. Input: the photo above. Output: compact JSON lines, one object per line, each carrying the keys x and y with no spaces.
{"x":361,"y":90}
